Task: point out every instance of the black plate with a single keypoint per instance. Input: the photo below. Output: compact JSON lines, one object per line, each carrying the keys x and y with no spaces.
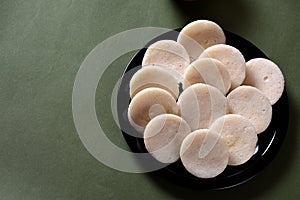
{"x":269,"y":141}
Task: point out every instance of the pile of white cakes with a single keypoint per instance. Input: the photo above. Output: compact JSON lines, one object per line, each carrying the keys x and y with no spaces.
{"x":225,"y":102}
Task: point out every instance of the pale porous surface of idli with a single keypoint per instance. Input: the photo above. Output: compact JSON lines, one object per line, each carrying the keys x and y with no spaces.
{"x":204,"y":153}
{"x":168,"y":54}
{"x":239,"y":135}
{"x":233,"y":60}
{"x":266,"y":76}
{"x":163,"y":136}
{"x":199,"y":35}
{"x":201,"y":104}
{"x":153,"y":76}
{"x":209,"y":71}
{"x":149,"y":103}
{"x":251,"y":103}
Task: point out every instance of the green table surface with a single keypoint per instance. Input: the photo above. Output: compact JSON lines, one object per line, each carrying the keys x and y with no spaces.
{"x":42,"y":45}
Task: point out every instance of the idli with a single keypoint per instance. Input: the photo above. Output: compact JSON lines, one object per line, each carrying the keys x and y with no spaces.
{"x":199,"y":35}
{"x":169,"y":54}
{"x":201,"y":104}
{"x":163,"y":136}
{"x":149,"y":103}
{"x":233,"y":60}
{"x":266,"y":76}
{"x":153,"y":76}
{"x":251,"y":103}
{"x":204,"y":153}
{"x":209,"y":71}
{"x":239,"y":135}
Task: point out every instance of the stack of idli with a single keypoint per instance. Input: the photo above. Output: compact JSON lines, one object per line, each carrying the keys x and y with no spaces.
{"x":225,"y":103}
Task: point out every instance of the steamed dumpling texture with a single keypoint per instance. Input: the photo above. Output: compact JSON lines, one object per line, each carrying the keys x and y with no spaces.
{"x":239,"y":135}
{"x":199,"y":35}
{"x":209,"y":71}
{"x":149,"y":103}
{"x":153,"y":76}
{"x":168,"y":54}
{"x":251,"y":103}
{"x":204,"y":153}
{"x":201,"y":104}
{"x":233,"y":60}
{"x":266,"y":76}
{"x":163,"y":137}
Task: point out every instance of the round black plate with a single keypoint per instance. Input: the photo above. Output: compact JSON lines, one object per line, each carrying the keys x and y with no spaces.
{"x":268,"y":144}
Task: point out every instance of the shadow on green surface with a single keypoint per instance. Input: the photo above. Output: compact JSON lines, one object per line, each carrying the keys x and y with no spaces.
{"x":231,"y":15}
{"x":265,"y":181}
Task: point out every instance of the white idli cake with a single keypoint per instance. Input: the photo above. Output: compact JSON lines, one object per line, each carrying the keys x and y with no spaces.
{"x":208,"y":71}
{"x":201,"y":104}
{"x":163,"y":136}
{"x":233,"y":60}
{"x":168,"y":54}
{"x":239,"y":135}
{"x":153,"y":76}
{"x":199,"y":35}
{"x":251,"y":103}
{"x":266,"y":76}
{"x":149,"y":103}
{"x":204,"y":153}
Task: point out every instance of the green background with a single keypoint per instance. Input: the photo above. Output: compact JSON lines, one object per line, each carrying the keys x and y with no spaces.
{"x":43,"y":43}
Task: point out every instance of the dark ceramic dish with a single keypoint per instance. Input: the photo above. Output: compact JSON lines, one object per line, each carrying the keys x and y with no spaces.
{"x":269,"y":142}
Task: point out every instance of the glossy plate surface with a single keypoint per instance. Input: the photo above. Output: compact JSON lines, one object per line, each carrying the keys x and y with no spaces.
{"x":269,"y":142}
